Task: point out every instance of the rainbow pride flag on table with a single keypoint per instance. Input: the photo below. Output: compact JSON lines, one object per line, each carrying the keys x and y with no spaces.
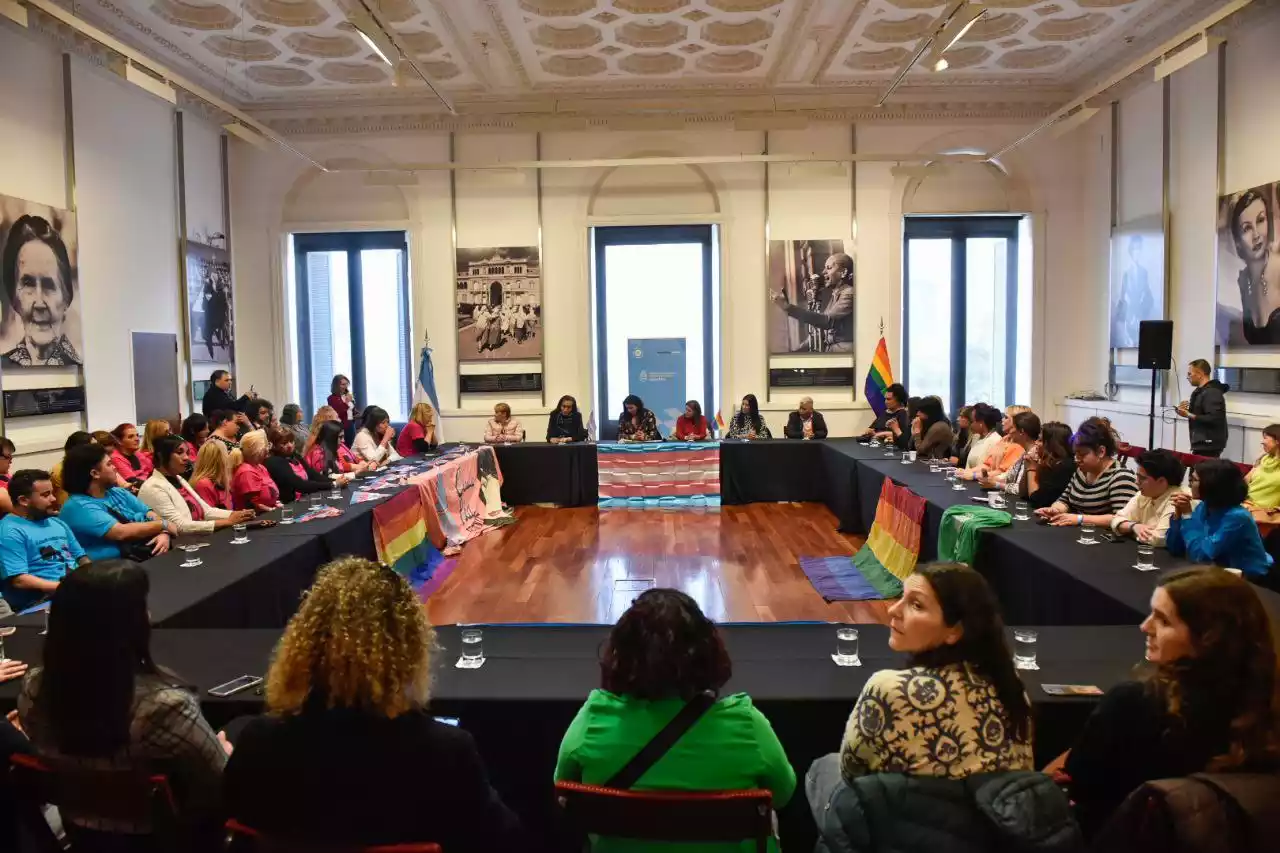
{"x":883,"y":563}
{"x":879,"y":377}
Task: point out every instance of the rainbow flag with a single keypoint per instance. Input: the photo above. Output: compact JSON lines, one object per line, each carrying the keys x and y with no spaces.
{"x":401,"y":537}
{"x":720,"y":420}
{"x":879,"y":377}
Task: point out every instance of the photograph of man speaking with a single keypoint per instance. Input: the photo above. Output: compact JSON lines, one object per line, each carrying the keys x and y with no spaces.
{"x":812,"y":293}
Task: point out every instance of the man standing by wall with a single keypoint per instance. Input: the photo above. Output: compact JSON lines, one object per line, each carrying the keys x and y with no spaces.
{"x":1206,"y":411}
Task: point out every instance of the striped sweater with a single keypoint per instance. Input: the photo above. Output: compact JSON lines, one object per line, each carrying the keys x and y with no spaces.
{"x":1106,"y":495}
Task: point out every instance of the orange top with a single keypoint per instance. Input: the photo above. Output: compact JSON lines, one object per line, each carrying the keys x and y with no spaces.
{"x":1002,"y":457}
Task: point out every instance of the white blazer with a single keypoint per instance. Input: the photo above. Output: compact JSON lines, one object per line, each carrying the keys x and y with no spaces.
{"x":366,"y":447}
{"x":159,"y":494}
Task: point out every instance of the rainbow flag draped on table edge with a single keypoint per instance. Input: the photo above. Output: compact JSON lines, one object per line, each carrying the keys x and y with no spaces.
{"x":400,"y":536}
{"x":879,"y":377}
{"x":893,"y":545}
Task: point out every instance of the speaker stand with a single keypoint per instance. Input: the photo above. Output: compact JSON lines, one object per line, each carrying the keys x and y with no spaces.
{"x":1151,"y":413}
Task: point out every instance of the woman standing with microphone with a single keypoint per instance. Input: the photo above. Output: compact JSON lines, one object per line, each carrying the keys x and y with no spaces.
{"x":344,"y":403}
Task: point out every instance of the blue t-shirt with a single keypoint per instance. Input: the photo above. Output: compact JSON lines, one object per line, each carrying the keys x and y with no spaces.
{"x":89,"y":519}
{"x":22,"y":542}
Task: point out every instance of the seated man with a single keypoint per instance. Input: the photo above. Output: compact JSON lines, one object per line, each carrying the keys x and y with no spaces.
{"x":895,"y":409}
{"x":108,"y":520}
{"x":805,"y":423}
{"x":1148,"y":514}
{"x":36,"y":549}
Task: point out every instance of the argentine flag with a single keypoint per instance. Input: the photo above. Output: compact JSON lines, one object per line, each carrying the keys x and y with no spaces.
{"x":425,"y":390}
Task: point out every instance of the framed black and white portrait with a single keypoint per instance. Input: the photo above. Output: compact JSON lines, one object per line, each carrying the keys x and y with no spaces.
{"x":40,"y":325}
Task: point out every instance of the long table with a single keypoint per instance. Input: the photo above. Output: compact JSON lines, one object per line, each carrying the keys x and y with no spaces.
{"x":540,"y":675}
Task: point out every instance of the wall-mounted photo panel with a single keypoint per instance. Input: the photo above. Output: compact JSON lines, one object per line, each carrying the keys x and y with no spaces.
{"x":1248,"y":269}
{"x":811,"y":297}
{"x":1137,"y":279}
{"x":209,"y":304}
{"x":499,"y":303}
{"x":40,"y":323}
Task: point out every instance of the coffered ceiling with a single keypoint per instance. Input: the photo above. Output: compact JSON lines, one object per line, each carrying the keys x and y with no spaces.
{"x":287,"y":57}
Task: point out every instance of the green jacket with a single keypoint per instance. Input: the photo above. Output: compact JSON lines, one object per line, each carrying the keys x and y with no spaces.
{"x":958,"y":534}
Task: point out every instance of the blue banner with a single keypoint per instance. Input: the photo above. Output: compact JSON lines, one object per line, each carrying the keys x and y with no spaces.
{"x":655,"y":373}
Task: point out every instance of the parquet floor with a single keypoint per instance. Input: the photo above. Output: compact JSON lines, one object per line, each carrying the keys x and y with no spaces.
{"x":741,"y":564}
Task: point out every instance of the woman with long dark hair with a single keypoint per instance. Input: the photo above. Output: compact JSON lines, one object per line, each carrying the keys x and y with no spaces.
{"x":292,"y":476}
{"x":1050,"y":466}
{"x":692,"y":425}
{"x":1205,"y":702}
{"x":636,"y":423}
{"x":195,"y":432}
{"x":100,"y":700}
{"x":375,"y":442}
{"x":747,"y":422}
{"x":949,"y":624}
{"x":564,"y":424}
{"x":175,"y":500}
{"x":931,"y":430}
{"x":662,"y":655}
{"x":326,"y":456}
{"x":1218,"y":529}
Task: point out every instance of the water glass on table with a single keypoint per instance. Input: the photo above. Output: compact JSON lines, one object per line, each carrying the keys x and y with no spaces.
{"x":1024,"y":649}
{"x":846,"y":647}
{"x":316,"y":500}
{"x":957,"y":484}
{"x":242,"y":535}
{"x":1146,"y":557}
{"x":286,"y":515}
{"x":7,"y":631}
{"x":472,"y":649}
{"x":996,"y":501}
{"x":1088,"y":534}
{"x":191,"y":560}
{"x":1022,"y":511}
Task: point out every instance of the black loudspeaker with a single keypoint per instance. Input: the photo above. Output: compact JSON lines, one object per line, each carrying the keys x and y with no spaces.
{"x":1155,"y":344}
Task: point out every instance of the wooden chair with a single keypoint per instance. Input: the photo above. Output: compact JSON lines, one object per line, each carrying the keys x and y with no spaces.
{"x":126,"y":796}
{"x":241,"y":837}
{"x":682,"y":816}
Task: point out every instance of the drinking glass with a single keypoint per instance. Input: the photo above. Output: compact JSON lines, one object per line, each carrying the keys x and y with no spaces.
{"x":906,"y":457}
{"x":956,"y":483}
{"x":286,"y":515}
{"x":875,"y":442}
{"x":846,"y":647}
{"x":242,"y":535}
{"x":1146,"y":557}
{"x":890,"y":450}
{"x":7,"y":631}
{"x":1088,"y":534}
{"x":191,"y":560}
{"x":336,"y":494}
{"x":912,"y":454}
{"x":1022,"y":511}
{"x":472,"y":648}
{"x":996,"y":501}
{"x":934,"y":466}
{"x":1024,"y":649}
{"x":316,"y":500}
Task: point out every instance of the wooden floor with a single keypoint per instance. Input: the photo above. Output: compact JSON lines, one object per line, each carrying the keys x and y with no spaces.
{"x":740,"y":563}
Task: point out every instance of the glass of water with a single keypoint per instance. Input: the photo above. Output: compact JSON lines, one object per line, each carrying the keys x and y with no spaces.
{"x":1088,"y":534}
{"x":242,"y":535}
{"x":1146,"y":557}
{"x":316,"y":500}
{"x":996,"y":501}
{"x":7,"y":631}
{"x":1022,"y":511}
{"x":934,"y":467}
{"x":846,"y":647}
{"x":191,"y":560}
{"x":336,"y":493}
{"x":286,"y":515}
{"x":1024,"y":649}
{"x":472,"y":648}
{"x":957,"y":484}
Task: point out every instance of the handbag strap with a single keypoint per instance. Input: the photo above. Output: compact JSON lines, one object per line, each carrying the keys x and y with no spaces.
{"x":662,"y":742}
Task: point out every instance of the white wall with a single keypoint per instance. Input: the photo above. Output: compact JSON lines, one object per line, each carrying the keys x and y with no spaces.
{"x":127,"y":217}
{"x":1251,"y":158}
{"x":274,"y":193}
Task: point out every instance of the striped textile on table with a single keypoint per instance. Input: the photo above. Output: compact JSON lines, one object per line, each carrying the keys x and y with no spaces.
{"x":666,"y":474}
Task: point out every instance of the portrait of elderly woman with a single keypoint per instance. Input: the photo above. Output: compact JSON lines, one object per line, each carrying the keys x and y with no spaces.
{"x":37,"y":270}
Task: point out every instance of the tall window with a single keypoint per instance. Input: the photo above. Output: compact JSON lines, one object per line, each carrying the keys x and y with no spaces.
{"x":961,"y":302}
{"x":352,"y":312}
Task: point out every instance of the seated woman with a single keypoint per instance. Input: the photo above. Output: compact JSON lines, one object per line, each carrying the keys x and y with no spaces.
{"x":211,"y":478}
{"x":419,"y":434}
{"x":173,"y":498}
{"x":153,"y":431}
{"x":339,"y":756}
{"x":900,"y":430}
{"x":805,"y":423}
{"x":291,"y":419}
{"x":502,"y":428}
{"x":636,"y":423}
{"x":564,"y":425}
{"x":1024,"y":433}
{"x":949,"y":622}
{"x":261,"y":413}
{"x":251,"y":483}
{"x":692,"y":425}
{"x":1149,"y":513}
{"x":324,"y":415}
{"x":662,"y":655}
{"x":76,"y":439}
{"x":1003,"y":454}
{"x":98,"y":655}
{"x":1099,"y":489}
{"x":932,"y":432}
{"x":291,"y":475}
{"x":1205,"y":702}
{"x":1218,"y":530}
{"x":747,"y":423}
{"x":1264,"y":478}
{"x":375,"y":442}
{"x":1050,"y":466}
{"x":130,"y":461}
{"x":328,"y":455}
{"x":195,"y":432}
{"x":962,"y":440}
{"x":983,"y":437}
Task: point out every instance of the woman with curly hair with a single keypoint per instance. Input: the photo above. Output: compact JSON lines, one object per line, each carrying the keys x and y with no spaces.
{"x":958,"y":709}
{"x":1206,"y":702}
{"x":348,"y":753}
{"x":662,"y":655}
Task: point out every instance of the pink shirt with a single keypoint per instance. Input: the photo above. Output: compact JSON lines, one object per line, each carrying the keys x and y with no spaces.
{"x":252,"y":487}
{"x":510,"y":432}
{"x":213,"y":494}
{"x":127,"y":469}
{"x":404,"y":442}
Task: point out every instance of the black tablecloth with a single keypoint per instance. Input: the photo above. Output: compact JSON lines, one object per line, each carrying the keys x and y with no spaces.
{"x":772,"y":471}
{"x":560,"y":474}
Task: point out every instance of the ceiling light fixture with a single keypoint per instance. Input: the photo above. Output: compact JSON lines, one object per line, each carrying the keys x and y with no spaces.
{"x":381,"y":39}
{"x":952,"y":25}
{"x":374,"y":36}
{"x":1203,"y":45}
